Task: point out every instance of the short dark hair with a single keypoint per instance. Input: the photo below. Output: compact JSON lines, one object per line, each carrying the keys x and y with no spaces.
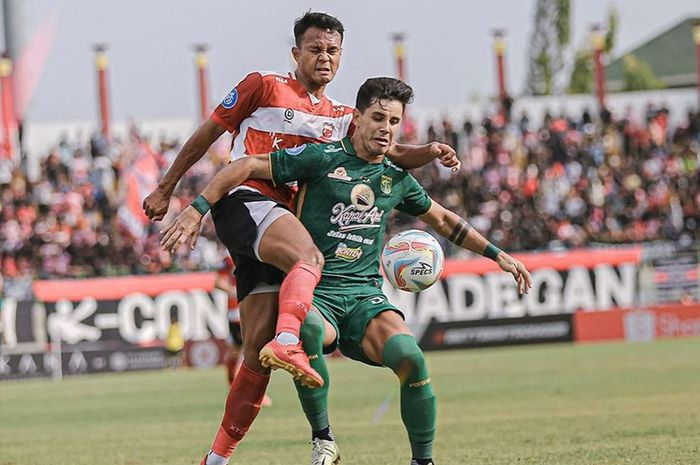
{"x":383,"y":88}
{"x":319,"y":20}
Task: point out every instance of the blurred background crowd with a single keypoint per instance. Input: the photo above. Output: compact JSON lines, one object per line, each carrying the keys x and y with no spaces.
{"x":562,"y":182}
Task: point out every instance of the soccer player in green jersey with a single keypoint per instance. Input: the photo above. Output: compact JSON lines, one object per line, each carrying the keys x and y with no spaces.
{"x":348,"y":190}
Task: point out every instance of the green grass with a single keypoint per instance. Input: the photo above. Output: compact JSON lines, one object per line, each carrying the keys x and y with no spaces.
{"x":558,"y":404}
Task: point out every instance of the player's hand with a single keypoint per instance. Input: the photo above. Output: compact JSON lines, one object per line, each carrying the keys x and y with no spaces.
{"x":185,"y":226}
{"x":155,"y":205}
{"x":517,"y":269}
{"x":446,"y":155}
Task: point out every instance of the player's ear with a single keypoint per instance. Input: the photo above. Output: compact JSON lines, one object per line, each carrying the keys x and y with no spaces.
{"x":356,"y":117}
{"x":295,"y":54}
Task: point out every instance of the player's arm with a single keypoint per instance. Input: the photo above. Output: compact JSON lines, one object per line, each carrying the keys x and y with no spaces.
{"x":458,"y":231}
{"x":228,"y":115}
{"x":187,"y":224}
{"x":156,"y":203}
{"x":414,"y":156}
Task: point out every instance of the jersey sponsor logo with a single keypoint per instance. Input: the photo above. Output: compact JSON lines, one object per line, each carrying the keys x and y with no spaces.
{"x":348,"y":254}
{"x":362,"y":197}
{"x":288,"y":115}
{"x":294,"y":151}
{"x":391,"y":163}
{"x":340,"y":174}
{"x":230,"y":100}
{"x":327,"y":131}
{"x":385,"y":184}
{"x":350,"y":219}
{"x":281,"y":80}
{"x":332,"y":149}
{"x":275,"y":141}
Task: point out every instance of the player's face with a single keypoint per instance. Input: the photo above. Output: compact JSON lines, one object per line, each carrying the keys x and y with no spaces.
{"x":318,"y":56}
{"x":378,"y":125}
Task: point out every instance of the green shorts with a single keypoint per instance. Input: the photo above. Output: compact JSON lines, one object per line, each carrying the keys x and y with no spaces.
{"x":350,"y":310}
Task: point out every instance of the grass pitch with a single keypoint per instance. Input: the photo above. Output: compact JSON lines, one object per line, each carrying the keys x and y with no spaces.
{"x":555,"y":404}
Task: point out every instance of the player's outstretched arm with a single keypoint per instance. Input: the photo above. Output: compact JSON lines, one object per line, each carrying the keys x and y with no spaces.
{"x":449,"y":225}
{"x":155,"y":205}
{"x":187,"y":224}
{"x":415,"y":156}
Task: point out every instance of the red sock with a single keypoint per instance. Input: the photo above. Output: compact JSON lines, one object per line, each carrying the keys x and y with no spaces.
{"x":296,"y":293}
{"x":232,"y":367}
{"x":242,"y":406}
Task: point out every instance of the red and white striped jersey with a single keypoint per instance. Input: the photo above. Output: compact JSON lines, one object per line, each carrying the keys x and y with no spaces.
{"x":268,"y":111}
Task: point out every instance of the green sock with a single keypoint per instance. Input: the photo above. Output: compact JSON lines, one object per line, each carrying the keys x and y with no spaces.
{"x":418,"y":406}
{"x":314,"y":402}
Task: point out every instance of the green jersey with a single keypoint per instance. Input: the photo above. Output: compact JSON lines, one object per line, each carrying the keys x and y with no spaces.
{"x":344,"y":202}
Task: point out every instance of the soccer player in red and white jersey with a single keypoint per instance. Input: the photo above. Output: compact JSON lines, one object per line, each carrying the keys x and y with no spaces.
{"x":267,"y":112}
{"x":226,"y":281}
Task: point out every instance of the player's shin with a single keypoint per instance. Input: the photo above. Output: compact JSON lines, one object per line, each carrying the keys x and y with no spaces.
{"x":242,"y":407}
{"x":418,"y":407}
{"x":314,"y":402}
{"x":295,"y":296}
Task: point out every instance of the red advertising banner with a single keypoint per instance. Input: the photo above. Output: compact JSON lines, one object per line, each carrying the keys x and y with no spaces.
{"x":657,"y":322}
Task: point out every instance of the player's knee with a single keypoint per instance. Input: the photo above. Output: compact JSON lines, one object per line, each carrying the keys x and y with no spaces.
{"x":413,"y":359}
{"x":313,"y":256}
{"x":404,"y":357}
{"x":311,"y":333}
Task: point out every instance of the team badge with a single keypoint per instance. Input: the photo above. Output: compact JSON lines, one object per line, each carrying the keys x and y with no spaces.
{"x":385,"y":184}
{"x":230,"y":100}
{"x":295,"y":150}
{"x":327,"y":131}
{"x":340,"y":174}
{"x":362,"y":197}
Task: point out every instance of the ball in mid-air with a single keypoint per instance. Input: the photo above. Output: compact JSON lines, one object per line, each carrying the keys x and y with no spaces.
{"x":412,"y":260}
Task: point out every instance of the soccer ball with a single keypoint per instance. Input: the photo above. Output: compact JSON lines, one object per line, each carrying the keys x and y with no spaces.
{"x":412,"y":260}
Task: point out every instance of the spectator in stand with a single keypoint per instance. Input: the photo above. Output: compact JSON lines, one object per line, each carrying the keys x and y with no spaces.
{"x":566,"y":183}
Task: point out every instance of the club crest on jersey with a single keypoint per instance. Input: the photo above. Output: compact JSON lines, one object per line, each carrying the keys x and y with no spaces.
{"x":385,"y":184}
{"x":230,"y":100}
{"x":348,"y":254}
{"x":295,"y":150}
{"x":327,"y":131}
{"x":340,"y":174}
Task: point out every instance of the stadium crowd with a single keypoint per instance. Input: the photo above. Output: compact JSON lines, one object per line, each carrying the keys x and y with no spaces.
{"x":561,"y":183}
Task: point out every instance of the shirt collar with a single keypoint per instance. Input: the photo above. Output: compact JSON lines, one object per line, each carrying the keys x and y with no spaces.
{"x":347,"y":146}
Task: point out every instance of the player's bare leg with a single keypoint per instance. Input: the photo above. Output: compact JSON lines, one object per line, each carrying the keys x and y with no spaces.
{"x":388,"y":341}
{"x":247,"y":392}
{"x":287,"y":245}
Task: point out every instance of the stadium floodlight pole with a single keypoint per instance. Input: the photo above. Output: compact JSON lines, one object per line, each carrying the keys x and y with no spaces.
{"x":202,"y":62}
{"x":696,"y":36}
{"x":499,"y":46}
{"x":400,"y":54}
{"x":7,"y":105}
{"x":101,"y":66}
{"x":408,"y":128}
{"x":598,"y":43}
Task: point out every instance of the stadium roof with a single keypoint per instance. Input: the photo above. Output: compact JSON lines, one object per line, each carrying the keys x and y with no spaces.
{"x":671,"y":56}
